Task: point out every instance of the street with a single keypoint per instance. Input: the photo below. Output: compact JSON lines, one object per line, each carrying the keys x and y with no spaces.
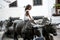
{"x":55,"y":37}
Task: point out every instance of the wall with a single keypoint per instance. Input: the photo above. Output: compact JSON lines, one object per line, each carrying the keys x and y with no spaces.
{"x":43,"y":10}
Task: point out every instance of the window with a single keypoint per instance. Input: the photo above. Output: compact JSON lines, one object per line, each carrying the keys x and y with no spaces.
{"x":58,"y":1}
{"x":37,"y":2}
{"x":13,"y":4}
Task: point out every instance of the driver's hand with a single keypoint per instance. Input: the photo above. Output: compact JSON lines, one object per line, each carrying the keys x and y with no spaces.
{"x":33,"y":21}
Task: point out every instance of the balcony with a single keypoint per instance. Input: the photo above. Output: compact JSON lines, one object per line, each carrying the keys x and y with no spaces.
{"x":57,"y":10}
